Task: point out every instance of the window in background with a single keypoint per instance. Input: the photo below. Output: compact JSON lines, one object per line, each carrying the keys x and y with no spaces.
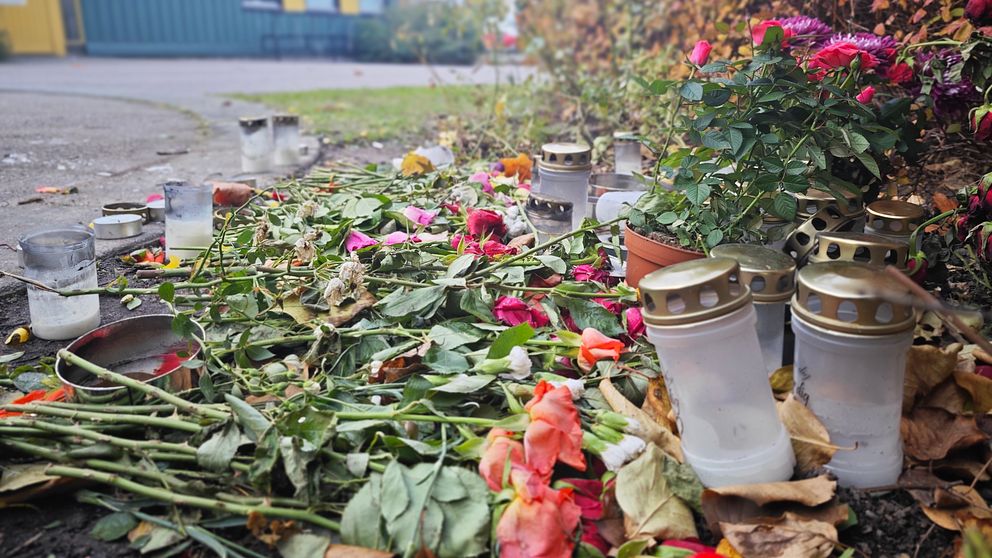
{"x":322,"y":5}
{"x":262,"y":4}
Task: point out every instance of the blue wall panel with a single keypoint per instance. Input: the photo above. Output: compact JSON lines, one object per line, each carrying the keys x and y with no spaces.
{"x":210,"y":28}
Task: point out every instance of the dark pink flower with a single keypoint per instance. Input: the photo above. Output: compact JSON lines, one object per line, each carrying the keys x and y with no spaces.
{"x":635,"y":322}
{"x":483,"y":179}
{"x":587,"y":494}
{"x":759,"y":30}
{"x":981,"y":123}
{"x":399,"y":237}
{"x":978,"y":11}
{"x":586,"y":272}
{"x":899,"y":73}
{"x":512,"y":311}
{"x":700,"y":53}
{"x":482,"y":222}
{"x":357,"y":240}
{"x":866,"y":95}
{"x":841,"y":55}
{"x":610,"y":304}
{"x":419,"y":216}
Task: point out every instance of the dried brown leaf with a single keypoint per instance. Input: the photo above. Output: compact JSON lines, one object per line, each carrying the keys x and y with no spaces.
{"x":811,"y":499}
{"x":978,"y":387}
{"x":810,"y":439}
{"x":808,"y":492}
{"x":523,"y":241}
{"x":949,"y":515}
{"x":782,"y":381}
{"x":657,"y":433}
{"x":926,"y":367}
{"x":347,"y":551}
{"x":790,"y":537}
{"x":930,"y":433}
{"x":658,"y":404}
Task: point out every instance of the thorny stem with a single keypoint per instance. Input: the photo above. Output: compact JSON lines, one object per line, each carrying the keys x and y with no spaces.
{"x":142,"y":420}
{"x":158,"y":393}
{"x":927,"y":223}
{"x":75,"y":431}
{"x":193,"y":501}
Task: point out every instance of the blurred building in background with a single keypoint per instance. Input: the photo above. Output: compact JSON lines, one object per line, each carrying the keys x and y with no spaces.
{"x":271,"y":28}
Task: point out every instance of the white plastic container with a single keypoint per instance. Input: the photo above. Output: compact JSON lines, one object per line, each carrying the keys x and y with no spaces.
{"x":189,"y":221}
{"x":565,"y":169}
{"x":850,"y":364}
{"x":702,"y":325}
{"x":64,"y":259}
{"x":286,"y":138}
{"x":771,"y":276}
{"x":256,"y":144}
{"x":626,"y":153}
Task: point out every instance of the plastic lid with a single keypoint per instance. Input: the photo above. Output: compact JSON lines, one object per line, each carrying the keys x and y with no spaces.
{"x":802,"y":240}
{"x":770,"y":274}
{"x":813,"y":200}
{"x":252,"y":122}
{"x":847,"y":297}
{"x":859,"y":247}
{"x":894,"y":217}
{"x":565,"y":157}
{"x":692,"y":291}
{"x":625,"y":136}
{"x":285,"y":119}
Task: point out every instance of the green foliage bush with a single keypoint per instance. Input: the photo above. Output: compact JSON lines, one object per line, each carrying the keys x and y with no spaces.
{"x":434,"y":32}
{"x":4,"y":46}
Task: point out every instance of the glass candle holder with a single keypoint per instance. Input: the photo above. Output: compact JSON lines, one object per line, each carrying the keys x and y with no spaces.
{"x":702,"y":323}
{"x":189,"y":224}
{"x":895,"y":220}
{"x":850,"y":365}
{"x":64,"y":259}
{"x":565,"y":169}
{"x":256,"y":144}
{"x":286,"y":138}
{"x":859,"y":247}
{"x":626,"y":153}
{"x":551,"y":217}
{"x":851,"y":206}
{"x":771,"y":276}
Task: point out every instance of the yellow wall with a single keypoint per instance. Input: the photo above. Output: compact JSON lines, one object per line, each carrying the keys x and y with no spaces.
{"x":350,"y":7}
{"x":294,"y":5}
{"x":34,"y":28}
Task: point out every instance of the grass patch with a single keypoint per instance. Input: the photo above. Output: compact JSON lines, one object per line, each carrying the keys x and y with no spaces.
{"x":347,"y":115}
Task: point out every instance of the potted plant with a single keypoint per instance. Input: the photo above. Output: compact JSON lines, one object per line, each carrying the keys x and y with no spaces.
{"x":745,"y":135}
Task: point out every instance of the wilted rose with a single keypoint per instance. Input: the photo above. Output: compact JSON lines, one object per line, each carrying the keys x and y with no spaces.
{"x":482,"y":222}
{"x":981,"y":122}
{"x":899,"y":73}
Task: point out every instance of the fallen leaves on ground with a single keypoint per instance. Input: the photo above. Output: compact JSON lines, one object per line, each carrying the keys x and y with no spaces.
{"x":930,"y":433}
{"x":336,"y":315}
{"x":810,"y":439}
{"x":782,"y":381}
{"x":657,"y":403}
{"x":648,"y":499}
{"x":948,"y":505}
{"x":788,"y":537}
{"x":414,"y":164}
{"x":657,"y":433}
{"x":809,"y":499}
{"x":927,"y":366}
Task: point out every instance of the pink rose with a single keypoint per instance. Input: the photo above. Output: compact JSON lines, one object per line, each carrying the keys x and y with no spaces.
{"x":635,"y":322}
{"x":981,"y":123}
{"x":700,"y":53}
{"x":482,"y":178}
{"x":357,"y":240}
{"x":419,"y":216}
{"x":586,"y":272}
{"x":866,"y":95}
{"x":399,"y":237}
{"x":610,"y":304}
{"x":841,"y":55}
{"x":482,"y":222}
{"x":759,"y":30}
{"x":512,"y":311}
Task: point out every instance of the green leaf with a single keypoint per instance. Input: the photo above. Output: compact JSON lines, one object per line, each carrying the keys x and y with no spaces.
{"x":401,"y":304}
{"x":632,"y":549}
{"x":463,"y":383}
{"x":453,"y":335}
{"x":361,"y":523}
{"x":243,"y":305}
{"x":460,"y":265}
{"x":445,"y":362}
{"x":477,"y":303}
{"x":296,"y":456}
{"x":266,"y":455}
{"x":691,"y":91}
{"x":714,"y":237}
{"x":167,"y":292}
{"x":667,"y":218}
{"x":114,"y":526}
{"x":857,"y":142}
{"x":249,"y":418}
{"x":716,"y":97}
{"x":869,"y":162}
{"x":510,"y":338}
{"x":217,"y":452}
{"x":554,"y":263}
{"x":771,"y":97}
{"x":697,"y":193}
{"x":587,"y":313}
{"x":298,"y":545}
{"x":784,"y":205}
{"x":310,"y":424}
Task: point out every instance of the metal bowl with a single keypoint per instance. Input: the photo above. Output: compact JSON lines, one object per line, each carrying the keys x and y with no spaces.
{"x":156,"y":211}
{"x":144,"y":348}
{"x":115,"y":227}
{"x":126,"y":208}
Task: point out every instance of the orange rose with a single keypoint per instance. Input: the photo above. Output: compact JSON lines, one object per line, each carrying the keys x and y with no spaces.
{"x":500,"y":449}
{"x":554,"y":433}
{"x":519,"y":166}
{"x":596,"y":346}
{"x":540,"y":520}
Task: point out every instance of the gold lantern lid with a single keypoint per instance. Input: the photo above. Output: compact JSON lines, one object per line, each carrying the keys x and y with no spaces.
{"x":894,"y":217}
{"x":802,"y":240}
{"x":813,"y":200}
{"x":286,"y":119}
{"x":848,"y":297}
{"x":692,"y":291}
{"x":859,"y":247}
{"x":252,"y":122}
{"x":565,"y":157}
{"x":769,"y":274}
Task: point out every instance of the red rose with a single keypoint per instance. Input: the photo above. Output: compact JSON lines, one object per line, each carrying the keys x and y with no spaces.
{"x":981,"y":122}
{"x":917,"y":267}
{"x":759,"y":30}
{"x":899,"y":73}
{"x":512,"y":311}
{"x":866,"y":95}
{"x":586,"y":272}
{"x":483,"y":222}
{"x":978,"y":10}
{"x":841,"y":55}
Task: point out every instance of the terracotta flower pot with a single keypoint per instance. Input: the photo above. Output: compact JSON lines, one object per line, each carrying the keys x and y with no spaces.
{"x":645,"y":255}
